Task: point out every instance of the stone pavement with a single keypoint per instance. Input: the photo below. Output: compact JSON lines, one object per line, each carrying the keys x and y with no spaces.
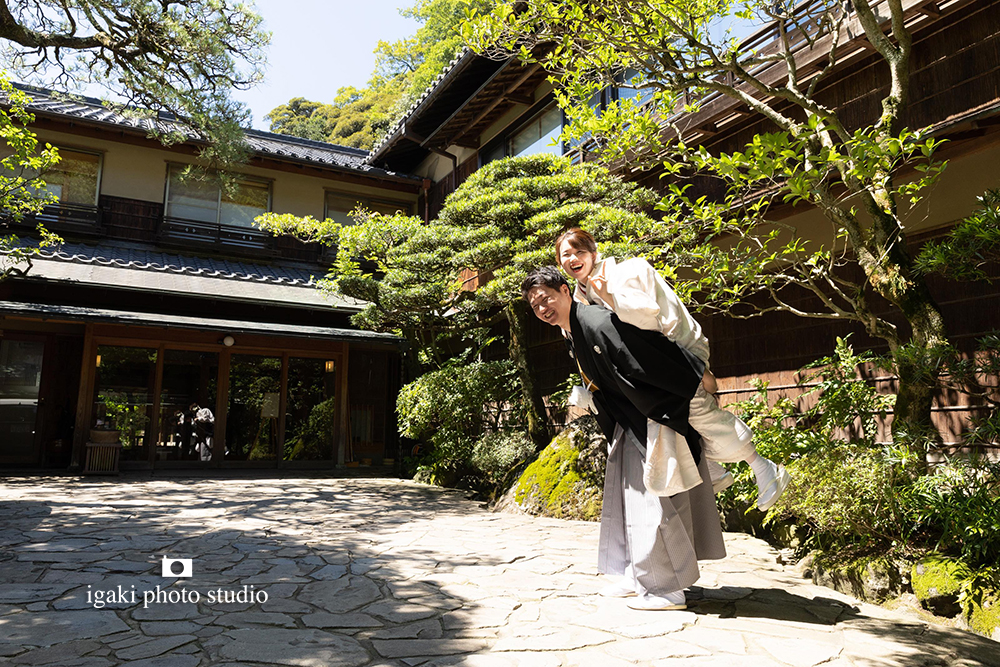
{"x":352,"y":572}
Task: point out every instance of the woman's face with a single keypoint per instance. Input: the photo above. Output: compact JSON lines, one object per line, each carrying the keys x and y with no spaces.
{"x":577,"y":263}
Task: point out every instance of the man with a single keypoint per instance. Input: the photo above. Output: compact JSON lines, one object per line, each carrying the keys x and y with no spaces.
{"x":637,"y":377}
{"x":204,"y":428}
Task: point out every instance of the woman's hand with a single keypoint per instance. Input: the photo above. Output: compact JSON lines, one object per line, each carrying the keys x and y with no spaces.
{"x":600,"y":286}
{"x":709,"y":383}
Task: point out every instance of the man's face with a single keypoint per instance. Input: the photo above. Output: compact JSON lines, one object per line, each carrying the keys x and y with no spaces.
{"x":551,"y":306}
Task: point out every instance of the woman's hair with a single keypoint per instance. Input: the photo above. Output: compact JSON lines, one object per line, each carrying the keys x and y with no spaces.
{"x":578,"y":239}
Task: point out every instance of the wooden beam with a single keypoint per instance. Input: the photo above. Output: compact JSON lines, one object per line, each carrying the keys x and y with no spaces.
{"x":153,"y":436}
{"x":472,"y":143}
{"x":282,"y":408}
{"x":932,"y":10}
{"x":526,"y":100}
{"x":498,"y":99}
{"x":221,"y":410}
{"x":84,"y":399}
{"x":344,"y":406}
{"x":709,"y":129}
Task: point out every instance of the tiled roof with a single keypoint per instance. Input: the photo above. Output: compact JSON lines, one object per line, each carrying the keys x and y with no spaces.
{"x":459,"y":56}
{"x":278,"y":146}
{"x":84,"y":313}
{"x":125,"y":267}
{"x":151,"y":260}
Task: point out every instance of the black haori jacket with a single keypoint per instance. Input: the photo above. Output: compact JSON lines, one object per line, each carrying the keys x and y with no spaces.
{"x":635,"y":374}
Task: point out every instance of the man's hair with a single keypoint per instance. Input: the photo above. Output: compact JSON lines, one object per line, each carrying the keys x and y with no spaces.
{"x":543,"y":276}
{"x":577,"y":238}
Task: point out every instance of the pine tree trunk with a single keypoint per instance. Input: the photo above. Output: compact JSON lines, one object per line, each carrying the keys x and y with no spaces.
{"x":916,"y":359}
{"x":537,"y":424}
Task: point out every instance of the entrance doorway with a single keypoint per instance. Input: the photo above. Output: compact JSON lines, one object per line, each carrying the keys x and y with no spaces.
{"x":20,"y":385}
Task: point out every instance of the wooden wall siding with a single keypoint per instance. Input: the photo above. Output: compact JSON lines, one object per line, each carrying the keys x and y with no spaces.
{"x":131,"y":219}
{"x":774,"y":346}
{"x":955,"y":69}
{"x":440,"y":190}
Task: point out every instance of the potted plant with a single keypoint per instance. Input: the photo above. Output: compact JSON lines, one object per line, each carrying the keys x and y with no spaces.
{"x":121,"y":420}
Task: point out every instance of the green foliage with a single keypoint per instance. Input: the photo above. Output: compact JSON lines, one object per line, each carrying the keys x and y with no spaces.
{"x":184,"y":57}
{"x":726,"y":247}
{"x":859,"y":498}
{"x":959,"y":506}
{"x":497,"y":453}
{"x":501,"y":222}
{"x":968,"y":246}
{"x":126,"y":418}
{"x":22,"y":184}
{"x":403,"y":70}
{"x":310,"y":440}
{"x":846,"y":402}
{"x":355,"y":118}
{"x":452,"y":408}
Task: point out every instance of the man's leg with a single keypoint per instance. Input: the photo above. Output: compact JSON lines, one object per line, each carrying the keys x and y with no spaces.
{"x":661,"y":536}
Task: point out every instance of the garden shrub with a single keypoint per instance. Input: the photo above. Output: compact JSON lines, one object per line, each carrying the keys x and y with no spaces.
{"x":450,"y":410}
{"x":498,"y":453}
{"x":863,"y":502}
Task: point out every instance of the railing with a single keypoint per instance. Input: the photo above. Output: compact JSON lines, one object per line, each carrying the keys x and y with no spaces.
{"x":78,"y":219}
{"x":187,"y":233}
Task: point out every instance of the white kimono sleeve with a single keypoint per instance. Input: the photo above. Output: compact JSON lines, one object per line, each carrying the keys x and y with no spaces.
{"x":644,"y":299}
{"x":669,"y":468}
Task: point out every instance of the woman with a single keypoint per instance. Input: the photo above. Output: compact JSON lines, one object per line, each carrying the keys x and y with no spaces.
{"x":639,"y":295}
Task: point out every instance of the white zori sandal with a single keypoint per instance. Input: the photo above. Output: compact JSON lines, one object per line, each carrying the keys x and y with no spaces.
{"x":667,"y":602}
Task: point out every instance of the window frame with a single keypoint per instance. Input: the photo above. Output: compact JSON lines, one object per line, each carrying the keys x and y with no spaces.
{"x":363,"y":199}
{"x":269,"y":182}
{"x":100,"y":172}
{"x":503,"y":137}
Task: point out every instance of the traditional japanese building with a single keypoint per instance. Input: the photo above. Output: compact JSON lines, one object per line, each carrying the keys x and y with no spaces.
{"x":479,"y":110}
{"x":164,"y":296}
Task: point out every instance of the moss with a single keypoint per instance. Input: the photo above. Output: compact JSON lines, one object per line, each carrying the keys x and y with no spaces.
{"x":984,"y":617}
{"x":553,"y":485}
{"x":938,"y":576}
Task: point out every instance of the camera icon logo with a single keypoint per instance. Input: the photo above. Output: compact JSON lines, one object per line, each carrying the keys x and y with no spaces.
{"x":176,"y":567}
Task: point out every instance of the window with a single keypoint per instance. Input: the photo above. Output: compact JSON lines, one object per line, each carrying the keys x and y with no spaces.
{"x":205,"y":201}
{"x":538,"y":134}
{"x":340,"y":204}
{"x":639,"y":95}
{"x":75,"y":179}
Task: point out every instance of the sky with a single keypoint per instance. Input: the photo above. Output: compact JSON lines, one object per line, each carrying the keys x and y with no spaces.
{"x":318,"y":46}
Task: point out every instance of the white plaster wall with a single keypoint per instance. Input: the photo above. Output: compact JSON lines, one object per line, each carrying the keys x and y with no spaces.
{"x":140,"y":172}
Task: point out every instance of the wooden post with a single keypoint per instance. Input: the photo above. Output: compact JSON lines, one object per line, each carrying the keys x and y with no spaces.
{"x":84,"y":400}
{"x":221,"y":410}
{"x":154,"y":420}
{"x":282,"y":406}
{"x":345,"y":406}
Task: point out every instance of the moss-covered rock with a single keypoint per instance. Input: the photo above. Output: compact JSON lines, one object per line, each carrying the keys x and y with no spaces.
{"x":984,"y":617}
{"x":566,"y":481}
{"x":872,"y":579}
{"x":937,"y":581}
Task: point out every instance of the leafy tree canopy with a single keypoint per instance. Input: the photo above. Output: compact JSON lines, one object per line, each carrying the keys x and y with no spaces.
{"x":180,"y":56}
{"x":403,"y":70}
{"x":866,"y":180}
{"x":496,"y":227}
{"x":22,"y":185}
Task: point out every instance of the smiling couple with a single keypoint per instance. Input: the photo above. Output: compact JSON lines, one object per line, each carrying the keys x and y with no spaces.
{"x":644,"y":362}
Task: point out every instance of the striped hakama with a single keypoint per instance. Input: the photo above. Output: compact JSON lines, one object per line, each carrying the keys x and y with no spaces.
{"x":657,"y":540}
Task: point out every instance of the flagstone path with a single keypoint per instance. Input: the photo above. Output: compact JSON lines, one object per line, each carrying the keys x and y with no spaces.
{"x":368,"y":572}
